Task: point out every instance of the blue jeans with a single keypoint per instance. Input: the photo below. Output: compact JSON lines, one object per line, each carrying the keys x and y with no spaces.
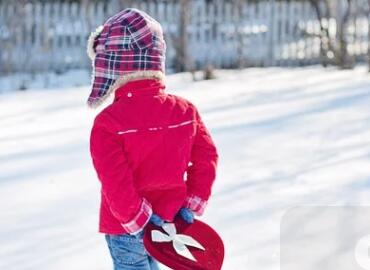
{"x":128,"y":252}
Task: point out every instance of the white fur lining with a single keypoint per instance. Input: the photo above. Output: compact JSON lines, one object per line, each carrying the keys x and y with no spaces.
{"x":133,"y":76}
{"x":90,"y":42}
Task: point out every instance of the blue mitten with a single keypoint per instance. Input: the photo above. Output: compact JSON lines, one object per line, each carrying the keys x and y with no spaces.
{"x":187,"y":215}
{"x":156,"y":220}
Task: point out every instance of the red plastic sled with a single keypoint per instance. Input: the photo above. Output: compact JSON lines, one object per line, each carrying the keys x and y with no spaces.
{"x":211,"y":258}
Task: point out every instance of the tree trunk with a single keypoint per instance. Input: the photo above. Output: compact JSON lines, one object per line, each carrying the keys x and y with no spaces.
{"x":238,"y":4}
{"x":324,"y":32}
{"x":182,"y":54}
{"x":337,"y":46}
{"x":368,"y":46}
{"x":344,"y":59}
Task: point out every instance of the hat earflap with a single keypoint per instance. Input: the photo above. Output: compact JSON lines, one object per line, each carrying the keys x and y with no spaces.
{"x":91,"y":41}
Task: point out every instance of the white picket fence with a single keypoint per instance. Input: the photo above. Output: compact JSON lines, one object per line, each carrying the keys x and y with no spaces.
{"x":51,"y":35}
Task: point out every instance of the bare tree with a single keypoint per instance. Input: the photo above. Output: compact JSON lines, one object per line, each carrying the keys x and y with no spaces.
{"x":334,"y":49}
{"x":180,"y":41}
{"x":368,"y":46}
{"x":344,"y":59}
{"x":325,"y":43}
{"x":239,"y":32}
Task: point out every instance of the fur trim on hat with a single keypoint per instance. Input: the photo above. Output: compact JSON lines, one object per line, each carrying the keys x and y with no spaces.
{"x":133,"y":76}
{"x":90,"y":42}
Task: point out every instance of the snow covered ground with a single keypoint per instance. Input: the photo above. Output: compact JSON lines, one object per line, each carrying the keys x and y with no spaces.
{"x":286,"y":137}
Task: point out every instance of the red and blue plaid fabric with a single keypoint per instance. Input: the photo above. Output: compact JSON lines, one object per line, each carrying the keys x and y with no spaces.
{"x":196,"y":204}
{"x":129,"y":42}
{"x":141,"y":218}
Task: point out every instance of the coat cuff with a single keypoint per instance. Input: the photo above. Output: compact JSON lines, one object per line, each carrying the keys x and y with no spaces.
{"x":195,"y":204}
{"x":140,"y":219}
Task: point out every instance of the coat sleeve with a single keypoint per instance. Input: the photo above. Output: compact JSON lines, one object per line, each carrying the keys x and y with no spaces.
{"x":116,"y":177}
{"x":201,"y":172}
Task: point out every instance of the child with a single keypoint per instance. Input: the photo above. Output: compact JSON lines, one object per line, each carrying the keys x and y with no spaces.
{"x":145,"y":141}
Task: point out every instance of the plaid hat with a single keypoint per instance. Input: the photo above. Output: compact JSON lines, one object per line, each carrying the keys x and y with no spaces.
{"x":129,"y":46}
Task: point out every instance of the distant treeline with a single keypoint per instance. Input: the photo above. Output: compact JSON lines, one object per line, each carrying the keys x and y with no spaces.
{"x":43,"y":35}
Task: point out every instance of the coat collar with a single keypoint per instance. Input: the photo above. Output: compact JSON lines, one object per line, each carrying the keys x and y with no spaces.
{"x":144,"y":87}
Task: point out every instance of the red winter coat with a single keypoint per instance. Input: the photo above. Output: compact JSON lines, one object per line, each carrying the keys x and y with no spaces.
{"x":142,"y":146}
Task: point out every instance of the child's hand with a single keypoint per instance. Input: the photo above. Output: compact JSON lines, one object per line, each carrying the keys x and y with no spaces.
{"x":187,"y":215}
{"x":156,"y":220}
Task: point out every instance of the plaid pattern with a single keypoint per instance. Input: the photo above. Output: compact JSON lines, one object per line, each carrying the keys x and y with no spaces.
{"x":196,"y":204}
{"x":141,"y":218}
{"x":129,"y":41}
